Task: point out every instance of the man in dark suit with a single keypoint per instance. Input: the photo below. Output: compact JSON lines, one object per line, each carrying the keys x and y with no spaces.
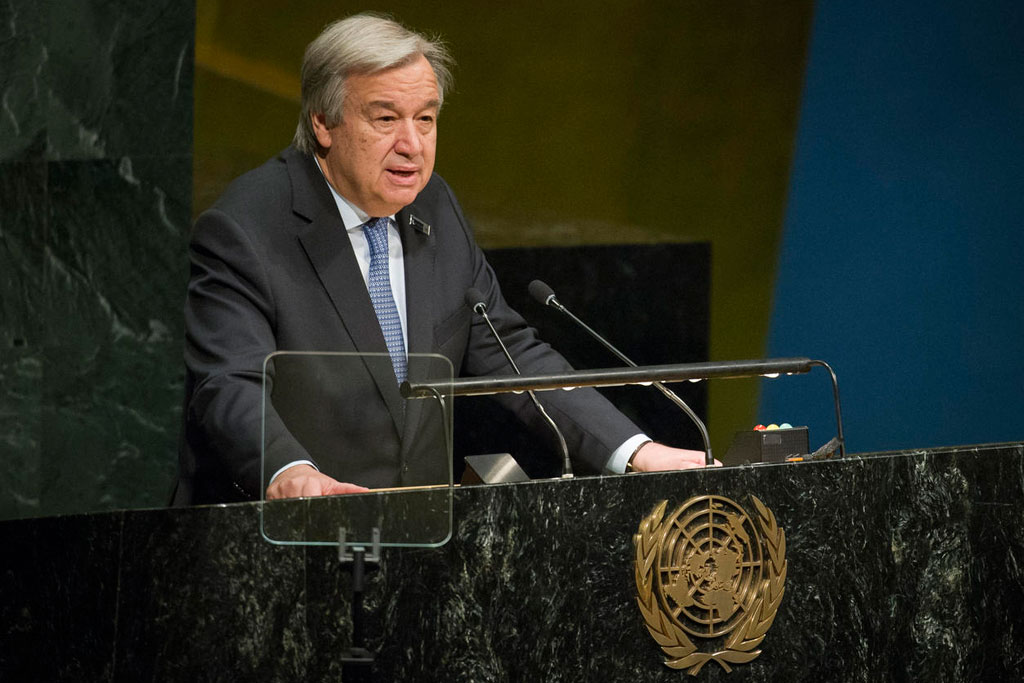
{"x":349,"y":242}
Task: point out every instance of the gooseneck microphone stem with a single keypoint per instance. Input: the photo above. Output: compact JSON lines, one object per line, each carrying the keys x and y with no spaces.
{"x":835,"y":401}
{"x":545,"y":295}
{"x":475,"y":300}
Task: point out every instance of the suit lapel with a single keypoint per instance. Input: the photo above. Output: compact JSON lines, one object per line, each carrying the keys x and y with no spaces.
{"x":418,"y":253}
{"x":418,"y":247}
{"x":329,"y":250}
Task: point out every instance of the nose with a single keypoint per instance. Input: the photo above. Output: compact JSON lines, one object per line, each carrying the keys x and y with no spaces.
{"x":407,"y":139}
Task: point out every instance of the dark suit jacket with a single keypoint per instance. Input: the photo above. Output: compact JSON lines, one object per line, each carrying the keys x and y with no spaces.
{"x":272,"y":269}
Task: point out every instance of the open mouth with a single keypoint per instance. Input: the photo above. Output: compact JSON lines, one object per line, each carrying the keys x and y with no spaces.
{"x":400,"y":174}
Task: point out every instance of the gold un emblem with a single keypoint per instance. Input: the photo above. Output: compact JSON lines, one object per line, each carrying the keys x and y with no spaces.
{"x":713,"y":572}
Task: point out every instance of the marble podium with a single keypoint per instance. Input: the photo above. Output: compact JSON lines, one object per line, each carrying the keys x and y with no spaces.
{"x":901,"y":566}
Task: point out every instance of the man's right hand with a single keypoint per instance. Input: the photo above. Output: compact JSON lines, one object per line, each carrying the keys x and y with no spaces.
{"x":301,"y":481}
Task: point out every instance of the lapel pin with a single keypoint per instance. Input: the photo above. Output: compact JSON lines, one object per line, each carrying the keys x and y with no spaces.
{"x":419,"y":225}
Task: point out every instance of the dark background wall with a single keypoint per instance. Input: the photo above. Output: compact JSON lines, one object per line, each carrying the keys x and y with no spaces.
{"x":901,"y":259}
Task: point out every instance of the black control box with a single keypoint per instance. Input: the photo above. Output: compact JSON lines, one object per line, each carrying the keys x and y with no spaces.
{"x":768,"y":445}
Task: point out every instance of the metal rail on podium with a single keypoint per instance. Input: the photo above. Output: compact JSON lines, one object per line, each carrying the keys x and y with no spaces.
{"x":643,"y":375}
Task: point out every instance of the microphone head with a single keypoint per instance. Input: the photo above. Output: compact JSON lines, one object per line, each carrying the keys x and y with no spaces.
{"x":541,"y":293}
{"x":474,"y":298}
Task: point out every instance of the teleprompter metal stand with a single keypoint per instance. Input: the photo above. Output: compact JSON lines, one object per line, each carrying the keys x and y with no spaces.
{"x":357,"y":660}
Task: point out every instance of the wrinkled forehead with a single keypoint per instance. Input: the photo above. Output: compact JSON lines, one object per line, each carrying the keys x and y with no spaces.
{"x":410,"y":83}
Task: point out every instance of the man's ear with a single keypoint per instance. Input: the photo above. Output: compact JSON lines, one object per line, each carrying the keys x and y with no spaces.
{"x":320,"y":129}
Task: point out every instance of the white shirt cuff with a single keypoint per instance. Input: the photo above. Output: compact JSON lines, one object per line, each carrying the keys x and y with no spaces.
{"x":620,"y":456}
{"x":293,"y":464}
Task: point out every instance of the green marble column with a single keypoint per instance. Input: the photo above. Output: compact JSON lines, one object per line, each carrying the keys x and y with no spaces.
{"x":95,"y":187}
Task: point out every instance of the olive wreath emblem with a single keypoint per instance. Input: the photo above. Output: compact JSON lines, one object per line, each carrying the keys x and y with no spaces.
{"x":747,"y":632}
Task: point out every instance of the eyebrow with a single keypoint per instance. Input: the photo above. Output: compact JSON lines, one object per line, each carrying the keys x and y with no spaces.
{"x":388,"y":104}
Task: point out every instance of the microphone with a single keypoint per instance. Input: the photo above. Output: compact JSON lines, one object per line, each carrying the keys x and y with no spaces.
{"x":475,"y":300}
{"x":545,"y":296}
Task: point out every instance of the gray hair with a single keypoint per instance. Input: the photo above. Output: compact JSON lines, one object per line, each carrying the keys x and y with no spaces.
{"x":362,"y":43}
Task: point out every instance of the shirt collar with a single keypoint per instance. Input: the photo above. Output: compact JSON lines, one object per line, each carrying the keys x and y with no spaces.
{"x":352,"y":216}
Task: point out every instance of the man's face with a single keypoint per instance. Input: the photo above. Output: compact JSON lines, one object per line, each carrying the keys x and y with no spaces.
{"x":381,"y":154}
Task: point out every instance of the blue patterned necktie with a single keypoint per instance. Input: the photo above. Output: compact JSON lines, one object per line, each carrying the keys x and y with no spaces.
{"x":376,"y":231}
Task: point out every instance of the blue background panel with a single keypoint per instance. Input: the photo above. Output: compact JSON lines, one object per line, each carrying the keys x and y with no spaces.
{"x":900,"y":260}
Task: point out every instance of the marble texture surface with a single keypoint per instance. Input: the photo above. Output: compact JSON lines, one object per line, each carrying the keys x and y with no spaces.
{"x":902,"y":566}
{"x":60,"y":604}
{"x":95,"y":79}
{"x":95,"y":185}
